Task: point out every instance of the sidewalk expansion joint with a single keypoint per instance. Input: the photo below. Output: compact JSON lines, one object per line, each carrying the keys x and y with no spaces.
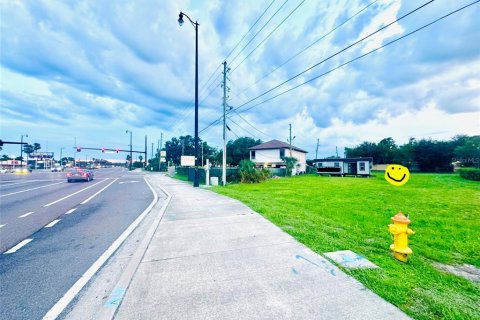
{"x":220,"y":251}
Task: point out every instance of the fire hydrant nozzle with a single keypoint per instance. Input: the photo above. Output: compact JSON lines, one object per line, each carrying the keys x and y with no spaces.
{"x":400,"y":232}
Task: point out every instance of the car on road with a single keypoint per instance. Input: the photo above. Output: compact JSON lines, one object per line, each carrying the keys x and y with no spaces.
{"x":78,"y":174}
{"x":57,"y":169}
{"x":3,"y":170}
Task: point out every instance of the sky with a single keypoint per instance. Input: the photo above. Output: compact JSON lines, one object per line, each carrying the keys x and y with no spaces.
{"x":90,"y":70}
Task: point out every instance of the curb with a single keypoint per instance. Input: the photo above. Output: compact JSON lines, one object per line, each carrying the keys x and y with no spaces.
{"x":118,"y":293}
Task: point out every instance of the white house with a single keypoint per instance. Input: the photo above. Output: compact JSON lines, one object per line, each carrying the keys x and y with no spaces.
{"x":270,"y":155}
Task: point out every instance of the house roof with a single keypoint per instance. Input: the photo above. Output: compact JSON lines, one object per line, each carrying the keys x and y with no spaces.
{"x":370,"y":159}
{"x":275,"y":144}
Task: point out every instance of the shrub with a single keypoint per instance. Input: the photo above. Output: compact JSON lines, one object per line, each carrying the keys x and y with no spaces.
{"x":248,"y":174}
{"x":470,"y":173}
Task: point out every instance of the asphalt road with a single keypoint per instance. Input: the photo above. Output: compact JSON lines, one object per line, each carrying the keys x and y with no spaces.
{"x":52,"y":231}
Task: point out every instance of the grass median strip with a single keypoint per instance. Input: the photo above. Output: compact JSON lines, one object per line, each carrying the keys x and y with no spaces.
{"x":330,"y":214}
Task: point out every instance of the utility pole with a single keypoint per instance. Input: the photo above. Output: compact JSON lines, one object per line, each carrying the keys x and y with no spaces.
{"x":316,"y":151}
{"x":145,"y":164}
{"x":224,"y":160}
{"x":152,"y":153}
{"x":159,"y":150}
{"x":75,"y":153}
{"x":336,"y":150}
{"x":290,"y":139}
{"x":183,"y":146}
{"x":202,"y":153}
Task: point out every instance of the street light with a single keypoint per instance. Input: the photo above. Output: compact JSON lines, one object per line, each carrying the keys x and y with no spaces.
{"x":21,"y":149}
{"x":61,"y":162}
{"x":195,"y":26}
{"x":128,"y":131}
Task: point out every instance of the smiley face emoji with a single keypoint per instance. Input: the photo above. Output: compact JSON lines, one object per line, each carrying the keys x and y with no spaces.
{"x":397,"y":175}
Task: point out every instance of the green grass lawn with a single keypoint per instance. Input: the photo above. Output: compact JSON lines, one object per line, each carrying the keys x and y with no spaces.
{"x":332,"y":213}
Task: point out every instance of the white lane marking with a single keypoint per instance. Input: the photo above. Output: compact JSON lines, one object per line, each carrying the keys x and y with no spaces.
{"x":61,"y":304}
{"x":70,"y":195}
{"x":2,"y":225}
{"x":51,"y":224}
{"x":26,"y":214}
{"x":98,"y":192}
{"x":18,"y":246}
{"x":122,"y":182}
{"x":48,"y":185}
{"x":70,"y":211}
{"x":13,"y":182}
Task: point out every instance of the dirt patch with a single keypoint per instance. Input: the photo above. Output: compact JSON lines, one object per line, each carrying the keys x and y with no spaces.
{"x":466,"y":271}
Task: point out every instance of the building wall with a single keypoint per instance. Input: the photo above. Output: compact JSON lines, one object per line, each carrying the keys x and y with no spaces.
{"x":273,"y":156}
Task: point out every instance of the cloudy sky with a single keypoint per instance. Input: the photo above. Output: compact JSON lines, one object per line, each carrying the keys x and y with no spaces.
{"x":93,"y":69}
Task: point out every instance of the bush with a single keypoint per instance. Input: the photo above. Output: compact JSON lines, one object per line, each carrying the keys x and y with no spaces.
{"x":470,"y":173}
{"x":248,"y":174}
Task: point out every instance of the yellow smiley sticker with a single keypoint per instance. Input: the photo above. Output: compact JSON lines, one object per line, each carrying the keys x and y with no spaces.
{"x":397,"y":175}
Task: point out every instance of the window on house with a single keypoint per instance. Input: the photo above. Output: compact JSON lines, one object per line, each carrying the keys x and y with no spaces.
{"x":253,"y":155}
{"x":362,"y":166}
{"x":336,"y":164}
{"x":282,"y":153}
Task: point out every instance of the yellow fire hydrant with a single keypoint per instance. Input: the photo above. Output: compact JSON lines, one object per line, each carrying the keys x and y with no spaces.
{"x":400,"y":231}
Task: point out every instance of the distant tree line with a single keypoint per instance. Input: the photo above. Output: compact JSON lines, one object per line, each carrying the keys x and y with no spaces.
{"x":424,"y":155}
{"x":237,"y":150}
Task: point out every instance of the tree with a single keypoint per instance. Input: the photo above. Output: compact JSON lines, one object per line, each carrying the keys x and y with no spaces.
{"x":468,"y":153}
{"x":5,"y":158}
{"x":36,"y":147}
{"x":28,"y":149}
{"x":140,"y":158}
{"x":238,"y":149}
{"x":289,"y":163}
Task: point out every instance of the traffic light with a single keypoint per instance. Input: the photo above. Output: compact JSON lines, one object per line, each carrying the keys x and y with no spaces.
{"x":79,"y":149}
{"x":103,"y":149}
{"x":1,"y":143}
{"x":117,"y":150}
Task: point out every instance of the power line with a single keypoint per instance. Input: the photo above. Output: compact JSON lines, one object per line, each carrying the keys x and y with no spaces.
{"x":206,"y":85}
{"x":361,"y":56}
{"x":310,"y":45}
{"x":317,"y":64}
{"x":251,"y":125}
{"x":263,"y":27}
{"x":338,"y":52}
{"x":265,"y":39}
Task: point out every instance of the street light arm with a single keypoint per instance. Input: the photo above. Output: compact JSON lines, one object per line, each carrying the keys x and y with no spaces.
{"x":180,"y":19}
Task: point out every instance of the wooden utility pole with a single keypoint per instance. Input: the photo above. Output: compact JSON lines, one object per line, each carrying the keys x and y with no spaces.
{"x":316,"y":151}
{"x":290,"y":139}
{"x":224,"y":160}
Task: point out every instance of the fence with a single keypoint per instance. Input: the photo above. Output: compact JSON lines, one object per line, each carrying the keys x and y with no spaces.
{"x":232,"y":173}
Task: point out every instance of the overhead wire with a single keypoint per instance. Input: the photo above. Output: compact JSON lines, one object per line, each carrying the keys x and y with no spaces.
{"x":324,"y":60}
{"x":310,"y":45}
{"x":268,"y":36}
{"x":208,"y":85}
{"x":258,"y":32}
{"x":363,"y":55}
{"x":338,"y":52}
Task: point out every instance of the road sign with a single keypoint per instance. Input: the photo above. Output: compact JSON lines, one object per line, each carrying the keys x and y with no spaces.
{"x":163,"y":154}
{"x":187,"y":161}
{"x":163,"y":160}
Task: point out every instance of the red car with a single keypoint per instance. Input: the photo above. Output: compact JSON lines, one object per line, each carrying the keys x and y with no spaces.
{"x":78,"y":174}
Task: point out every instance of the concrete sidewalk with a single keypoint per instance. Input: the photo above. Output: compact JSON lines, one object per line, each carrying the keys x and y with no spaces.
{"x":212,"y":257}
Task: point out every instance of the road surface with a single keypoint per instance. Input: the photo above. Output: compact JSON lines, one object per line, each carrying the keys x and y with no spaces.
{"x":52,"y":231}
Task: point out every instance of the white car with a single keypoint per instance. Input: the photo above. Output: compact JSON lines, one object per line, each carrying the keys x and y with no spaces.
{"x":57,"y":169}
{"x":3,"y":170}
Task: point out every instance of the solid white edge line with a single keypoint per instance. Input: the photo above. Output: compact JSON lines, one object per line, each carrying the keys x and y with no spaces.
{"x":71,"y":195}
{"x":128,"y":273}
{"x":51,"y":224}
{"x":21,"y":191}
{"x":70,"y":211}
{"x":18,"y":246}
{"x":2,"y":225}
{"x":64,"y":301}
{"x":98,"y":192}
{"x":26,"y":214}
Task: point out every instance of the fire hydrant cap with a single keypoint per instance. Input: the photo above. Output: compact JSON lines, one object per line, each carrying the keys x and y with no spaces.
{"x":401,"y":218}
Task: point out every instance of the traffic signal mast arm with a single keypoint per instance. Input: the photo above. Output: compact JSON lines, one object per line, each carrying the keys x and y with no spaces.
{"x":79,"y":149}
